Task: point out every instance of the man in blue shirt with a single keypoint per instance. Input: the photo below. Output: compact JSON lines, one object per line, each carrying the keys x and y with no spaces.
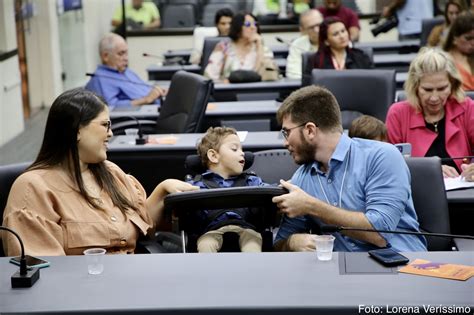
{"x":341,"y":181}
{"x":115,"y":82}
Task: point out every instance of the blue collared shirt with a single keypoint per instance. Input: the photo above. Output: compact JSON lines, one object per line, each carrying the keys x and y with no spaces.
{"x":117,"y":88}
{"x":376,"y":182}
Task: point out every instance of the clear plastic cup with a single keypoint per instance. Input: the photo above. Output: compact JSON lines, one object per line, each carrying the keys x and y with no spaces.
{"x":324,"y":245}
{"x":95,"y":257}
{"x":132,"y":132}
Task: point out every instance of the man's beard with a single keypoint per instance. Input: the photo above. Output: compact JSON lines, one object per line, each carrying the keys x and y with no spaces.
{"x":306,"y":152}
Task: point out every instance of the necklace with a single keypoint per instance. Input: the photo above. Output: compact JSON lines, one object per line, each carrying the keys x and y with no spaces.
{"x":434,"y":124}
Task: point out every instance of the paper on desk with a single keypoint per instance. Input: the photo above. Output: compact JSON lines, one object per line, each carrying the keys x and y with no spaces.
{"x":440,"y":270}
{"x":242,"y":135}
{"x":451,"y":183}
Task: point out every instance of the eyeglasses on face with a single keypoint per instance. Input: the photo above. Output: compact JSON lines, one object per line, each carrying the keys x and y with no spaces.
{"x":286,"y":131}
{"x":105,"y":123}
{"x":248,"y":23}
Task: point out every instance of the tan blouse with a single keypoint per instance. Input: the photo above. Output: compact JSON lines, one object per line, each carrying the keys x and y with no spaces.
{"x":52,"y":218}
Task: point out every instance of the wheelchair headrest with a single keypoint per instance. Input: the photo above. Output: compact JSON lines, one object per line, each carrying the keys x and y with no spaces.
{"x":193,"y":163}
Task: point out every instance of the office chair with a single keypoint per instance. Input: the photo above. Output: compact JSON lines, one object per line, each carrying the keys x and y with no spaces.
{"x":359,"y":91}
{"x":8,"y":174}
{"x":210,"y":9}
{"x":429,"y":199}
{"x":207,"y":48}
{"x":258,"y":198}
{"x":427,"y":26}
{"x":183,"y":109}
{"x":307,"y":63}
{"x":178,"y":16}
{"x":273,"y":165}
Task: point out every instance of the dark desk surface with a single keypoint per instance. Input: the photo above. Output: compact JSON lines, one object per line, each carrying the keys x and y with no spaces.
{"x":461,"y":196}
{"x":230,"y":283}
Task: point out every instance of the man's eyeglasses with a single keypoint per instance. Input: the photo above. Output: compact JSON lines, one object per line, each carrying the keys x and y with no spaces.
{"x":286,"y":131}
{"x":248,"y":24}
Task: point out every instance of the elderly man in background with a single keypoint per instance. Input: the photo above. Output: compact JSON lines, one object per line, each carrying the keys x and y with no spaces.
{"x":115,"y":82}
{"x":309,"y":27}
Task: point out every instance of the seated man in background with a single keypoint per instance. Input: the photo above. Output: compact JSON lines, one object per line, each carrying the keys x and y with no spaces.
{"x":309,"y":27}
{"x":346,"y":15}
{"x":341,"y":181}
{"x":368,"y":127}
{"x":142,"y":15}
{"x":221,"y":153}
{"x":115,"y":82}
{"x":222,"y":21}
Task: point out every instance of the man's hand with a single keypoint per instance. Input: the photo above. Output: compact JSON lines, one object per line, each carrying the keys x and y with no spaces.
{"x":295,"y":202}
{"x":301,"y":243}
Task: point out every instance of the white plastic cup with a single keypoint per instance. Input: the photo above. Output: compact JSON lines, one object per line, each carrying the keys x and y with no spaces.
{"x":324,"y":245}
{"x":95,"y":257}
{"x":131,"y":132}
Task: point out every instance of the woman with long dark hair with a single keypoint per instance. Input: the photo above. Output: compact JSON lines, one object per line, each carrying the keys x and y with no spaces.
{"x":71,"y":198}
{"x":334,"y":49}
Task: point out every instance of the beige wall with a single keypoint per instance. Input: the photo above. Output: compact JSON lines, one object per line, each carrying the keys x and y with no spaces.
{"x":11,"y":107}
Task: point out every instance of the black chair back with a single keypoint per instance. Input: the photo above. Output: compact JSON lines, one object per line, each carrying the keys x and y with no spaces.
{"x":359,"y":91}
{"x":184,"y":107}
{"x":178,"y":16}
{"x":427,"y":26}
{"x":429,"y":199}
{"x":273,"y":165}
{"x":8,"y":174}
{"x":207,"y":48}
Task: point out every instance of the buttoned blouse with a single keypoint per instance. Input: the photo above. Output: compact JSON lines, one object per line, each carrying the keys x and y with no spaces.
{"x":46,"y":209}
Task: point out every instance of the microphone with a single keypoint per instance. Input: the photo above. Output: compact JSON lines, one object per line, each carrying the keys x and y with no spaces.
{"x":152,"y":56}
{"x":336,"y":228}
{"x":23,"y":278}
{"x":116,"y":79}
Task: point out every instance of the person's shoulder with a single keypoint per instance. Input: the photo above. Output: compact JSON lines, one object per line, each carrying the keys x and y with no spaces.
{"x":149,"y":5}
{"x":41,"y":179}
{"x":374,"y":149}
{"x":348,"y":11}
{"x":114,"y":168}
{"x":401,"y":107}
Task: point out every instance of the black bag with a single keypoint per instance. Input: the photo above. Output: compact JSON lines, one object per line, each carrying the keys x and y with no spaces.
{"x":243,"y":76}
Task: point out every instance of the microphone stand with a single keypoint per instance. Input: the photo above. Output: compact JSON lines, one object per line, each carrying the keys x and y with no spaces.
{"x":140,"y":140}
{"x":23,"y":278}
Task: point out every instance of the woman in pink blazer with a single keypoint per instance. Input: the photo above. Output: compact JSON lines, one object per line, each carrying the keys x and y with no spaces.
{"x":437,"y":118}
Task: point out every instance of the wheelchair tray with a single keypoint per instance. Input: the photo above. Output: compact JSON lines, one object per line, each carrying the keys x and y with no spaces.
{"x":221,"y":198}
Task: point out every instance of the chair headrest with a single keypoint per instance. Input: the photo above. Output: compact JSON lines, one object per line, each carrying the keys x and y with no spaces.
{"x":193,"y":163}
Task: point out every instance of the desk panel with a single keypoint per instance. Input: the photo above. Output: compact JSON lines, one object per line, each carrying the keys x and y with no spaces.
{"x":228,"y":283}
{"x":461,"y":210}
{"x":216,"y":112}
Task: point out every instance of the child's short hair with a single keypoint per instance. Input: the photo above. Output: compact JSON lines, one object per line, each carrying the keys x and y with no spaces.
{"x":368,"y":127}
{"x":212,"y":140}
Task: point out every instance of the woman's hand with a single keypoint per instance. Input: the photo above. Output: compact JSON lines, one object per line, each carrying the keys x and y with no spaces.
{"x":468,"y":172}
{"x":449,"y":171}
{"x":175,"y":185}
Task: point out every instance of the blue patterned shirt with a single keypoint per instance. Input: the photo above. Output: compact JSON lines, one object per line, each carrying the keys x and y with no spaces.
{"x":118,"y":89}
{"x":376,"y":182}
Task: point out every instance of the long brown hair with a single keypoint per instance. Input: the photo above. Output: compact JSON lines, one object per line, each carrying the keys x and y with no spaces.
{"x":70,"y":111}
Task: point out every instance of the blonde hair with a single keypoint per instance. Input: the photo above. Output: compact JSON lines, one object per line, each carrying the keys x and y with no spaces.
{"x":432,"y":60}
{"x":212,"y":140}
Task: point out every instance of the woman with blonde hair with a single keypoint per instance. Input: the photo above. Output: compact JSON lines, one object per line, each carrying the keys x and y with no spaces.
{"x":437,"y":118}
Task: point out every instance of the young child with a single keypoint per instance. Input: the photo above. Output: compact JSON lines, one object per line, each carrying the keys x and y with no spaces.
{"x":221,"y":153}
{"x":368,"y":127}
